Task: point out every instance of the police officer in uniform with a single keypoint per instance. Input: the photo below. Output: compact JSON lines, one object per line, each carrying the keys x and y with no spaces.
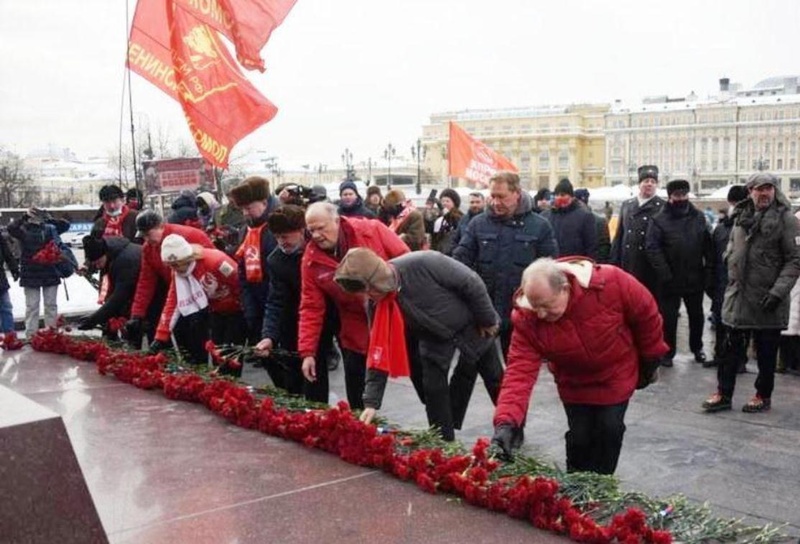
{"x":636,"y":214}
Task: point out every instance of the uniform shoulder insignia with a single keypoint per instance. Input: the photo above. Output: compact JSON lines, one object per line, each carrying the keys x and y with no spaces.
{"x":226,"y":268}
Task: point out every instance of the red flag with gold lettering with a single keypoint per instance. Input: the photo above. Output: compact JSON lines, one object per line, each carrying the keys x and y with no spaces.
{"x":474,"y":160}
{"x":247,"y":23}
{"x":185,"y":58}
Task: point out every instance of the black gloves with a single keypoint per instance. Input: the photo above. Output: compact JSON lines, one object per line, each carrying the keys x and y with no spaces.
{"x":648,"y":373}
{"x":157,"y":346}
{"x":770,"y":302}
{"x":133,"y":328}
{"x":85,"y":323}
{"x":508,"y":438}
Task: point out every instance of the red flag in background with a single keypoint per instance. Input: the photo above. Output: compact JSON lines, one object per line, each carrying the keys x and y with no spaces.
{"x":184,"y":57}
{"x":474,"y":160}
{"x":247,"y":23}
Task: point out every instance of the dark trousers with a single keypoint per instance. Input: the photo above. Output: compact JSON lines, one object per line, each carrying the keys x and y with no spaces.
{"x":436,"y":356}
{"x":191,"y":333}
{"x":355,"y":373}
{"x":462,"y":383}
{"x":767,"y":342}
{"x":790,"y":352}
{"x":594,"y":439}
{"x":670,"y":306}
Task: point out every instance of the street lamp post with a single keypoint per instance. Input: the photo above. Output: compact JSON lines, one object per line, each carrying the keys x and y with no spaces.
{"x":347,"y":159}
{"x":631,"y":172}
{"x":320,"y":169}
{"x":418,"y":151}
{"x":388,"y":153}
{"x":760,"y":164}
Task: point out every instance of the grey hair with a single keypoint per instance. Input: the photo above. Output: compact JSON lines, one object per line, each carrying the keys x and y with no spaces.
{"x":322,"y":208}
{"x":547,"y":268}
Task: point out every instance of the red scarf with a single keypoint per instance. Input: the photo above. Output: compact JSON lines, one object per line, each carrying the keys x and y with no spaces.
{"x":250,"y":253}
{"x":387,"y":339}
{"x":114,"y":224}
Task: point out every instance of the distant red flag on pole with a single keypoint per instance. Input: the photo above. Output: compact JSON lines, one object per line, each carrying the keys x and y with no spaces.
{"x":185,"y":58}
{"x":247,"y":23}
{"x":474,"y":160}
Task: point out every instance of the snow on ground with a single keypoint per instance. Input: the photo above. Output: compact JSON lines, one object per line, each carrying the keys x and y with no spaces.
{"x":82,"y":296}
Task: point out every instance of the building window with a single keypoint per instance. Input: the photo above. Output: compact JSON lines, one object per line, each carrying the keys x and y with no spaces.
{"x":544,"y":160}
{"x":563,"y":160}
{"x":779,"y":164}
{"x":792,"y":164}
{"x":525,"y":161}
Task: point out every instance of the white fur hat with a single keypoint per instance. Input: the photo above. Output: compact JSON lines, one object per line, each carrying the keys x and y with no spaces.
{"x":175,"y":248}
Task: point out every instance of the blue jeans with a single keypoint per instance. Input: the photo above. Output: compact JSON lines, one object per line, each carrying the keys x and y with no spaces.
{"x":6,"y":312}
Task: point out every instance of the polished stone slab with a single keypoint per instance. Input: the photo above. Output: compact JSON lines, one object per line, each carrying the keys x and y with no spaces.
{"x":44,"y":496}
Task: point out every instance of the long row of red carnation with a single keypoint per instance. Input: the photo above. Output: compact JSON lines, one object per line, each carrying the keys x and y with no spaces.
{"x":338,"y":431}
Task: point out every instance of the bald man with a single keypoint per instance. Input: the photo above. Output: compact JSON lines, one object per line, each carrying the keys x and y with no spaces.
{"x":331,"y":237}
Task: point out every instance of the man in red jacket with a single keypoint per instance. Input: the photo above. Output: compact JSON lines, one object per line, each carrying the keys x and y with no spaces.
{"x":331,"y":237}
{"x":155,"y":276}
{"x":600,"y":331}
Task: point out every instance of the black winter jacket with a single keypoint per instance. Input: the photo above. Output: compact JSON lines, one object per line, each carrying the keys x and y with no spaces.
{"x":283,"y":300}
{"x":720,"y":238}
{"x":442,"y":301}
{"x":500,"y":248}
{"x":575,"y":230}
{"x":124,"y":261}
{"x":32,"y":237}
{"x":680,"y":250}
{"x":357,"y":209}
{"x":627,"y":249}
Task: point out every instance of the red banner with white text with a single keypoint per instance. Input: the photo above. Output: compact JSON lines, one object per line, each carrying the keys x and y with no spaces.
{"x":246,"y":23}
{"x":185,"y":58}
{"x":474,"y":160}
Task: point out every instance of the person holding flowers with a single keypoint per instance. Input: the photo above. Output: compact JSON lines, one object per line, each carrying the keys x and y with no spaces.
{"x":38,"y":233}
{"x":204,"y":294}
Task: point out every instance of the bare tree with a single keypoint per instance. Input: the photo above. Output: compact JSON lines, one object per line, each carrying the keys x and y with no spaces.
{"x":17,"y":188}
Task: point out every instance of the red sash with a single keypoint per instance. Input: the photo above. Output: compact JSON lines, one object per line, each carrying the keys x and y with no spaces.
{"x":114,"y":224}
{"x":387,"y":339}
{"x":250,"y":254}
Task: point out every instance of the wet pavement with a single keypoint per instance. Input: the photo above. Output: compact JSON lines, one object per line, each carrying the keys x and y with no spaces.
{"x":164,"y":471}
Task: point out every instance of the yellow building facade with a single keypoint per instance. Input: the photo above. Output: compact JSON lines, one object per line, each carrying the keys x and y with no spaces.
{"x":546,"y":143}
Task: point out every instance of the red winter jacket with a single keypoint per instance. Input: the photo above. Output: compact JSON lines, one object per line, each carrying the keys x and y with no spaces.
{"x":219,"y":276}
{"x":593,"y":350}
{"x":152,"y":269}
{"x":317,"y":270}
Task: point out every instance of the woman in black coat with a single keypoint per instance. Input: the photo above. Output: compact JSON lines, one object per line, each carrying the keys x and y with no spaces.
{"x":34,"y":230}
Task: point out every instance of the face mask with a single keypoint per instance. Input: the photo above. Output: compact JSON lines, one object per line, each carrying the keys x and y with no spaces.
{"x":115,"y":213}
{"x":562,"y":201}
{"x":681,"y":205}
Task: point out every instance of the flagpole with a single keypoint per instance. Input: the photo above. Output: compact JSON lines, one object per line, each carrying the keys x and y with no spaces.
{"x":130,"y":100}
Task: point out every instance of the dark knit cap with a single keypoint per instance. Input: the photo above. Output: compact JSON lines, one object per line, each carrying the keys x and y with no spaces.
{"x":94,"y":248}
{"x":677,"y":186}
{"x":542,"y":194}
{"x":582,"y":195}
{"x":452,"y":195}
{"x":347,"y":184}
{"x":737,"y":193}
{"x":563,"y":187}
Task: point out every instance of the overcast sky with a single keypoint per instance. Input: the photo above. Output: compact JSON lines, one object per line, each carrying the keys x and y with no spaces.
{"x":363,"y":73}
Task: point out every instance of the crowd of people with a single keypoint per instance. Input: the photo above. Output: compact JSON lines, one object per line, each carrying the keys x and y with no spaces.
{"x":444,"y":293}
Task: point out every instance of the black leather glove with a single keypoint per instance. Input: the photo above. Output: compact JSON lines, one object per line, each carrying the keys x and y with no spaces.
{"x":648,"y":373}
{"x":507,"y":438}
{"x":157,"y":346}
{"x":85,"y":323}
{"x":770,"y":302}
{"x":133,"y":328}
